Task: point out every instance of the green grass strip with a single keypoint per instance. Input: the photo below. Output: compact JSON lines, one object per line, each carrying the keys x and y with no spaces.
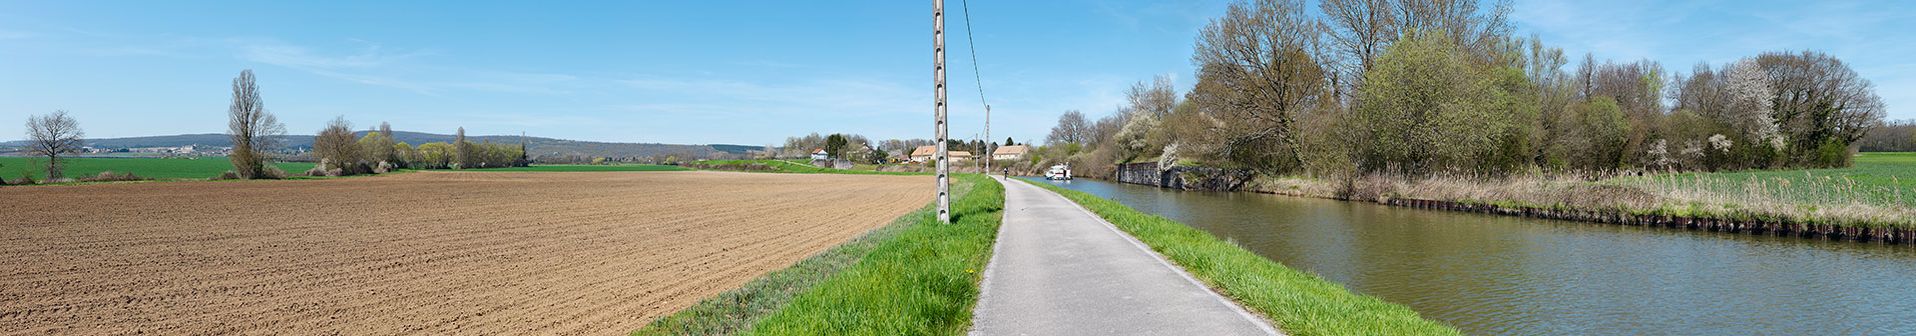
{"x":734,"y":311}
{"x":1301,"y":303}
{"x":923,"y":281}
{"x":788,"y":166}
{"x":191,"y":168}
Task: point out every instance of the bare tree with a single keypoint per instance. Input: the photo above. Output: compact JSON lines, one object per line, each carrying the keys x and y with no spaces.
{"x":1258,"y":73}
{"x":1475,"y":29}
{"x":254,"y":129}
{"x":1359,"y":30}
{"x":335,"y":146}
{"x":1155,"y":98}
{"x":462,"y":150}
{"x":53,"y":136}
{"x":1071,"y":128}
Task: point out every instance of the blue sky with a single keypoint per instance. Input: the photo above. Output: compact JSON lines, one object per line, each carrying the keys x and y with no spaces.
{"x":742,"y":72}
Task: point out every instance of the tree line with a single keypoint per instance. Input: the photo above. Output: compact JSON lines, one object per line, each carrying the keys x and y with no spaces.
{"x":1414,"y":88}
{"x":255,"y":132}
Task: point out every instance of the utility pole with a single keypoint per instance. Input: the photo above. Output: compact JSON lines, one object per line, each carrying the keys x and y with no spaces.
{"x":938,"y":76}
{"x":988,"y":152}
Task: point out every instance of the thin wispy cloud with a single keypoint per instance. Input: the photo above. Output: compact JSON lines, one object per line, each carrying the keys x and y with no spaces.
{"x":373,"y":64}
{"x":288,"y":55}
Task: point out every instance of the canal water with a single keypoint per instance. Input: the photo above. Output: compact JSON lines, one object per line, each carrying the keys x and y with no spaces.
{"x":1500,"y":275}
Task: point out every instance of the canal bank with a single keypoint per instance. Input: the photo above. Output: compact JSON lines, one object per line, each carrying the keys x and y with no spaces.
{"x":1515,"y":275}
{"x":1299,"y":302}
{"x":1608,"y":204}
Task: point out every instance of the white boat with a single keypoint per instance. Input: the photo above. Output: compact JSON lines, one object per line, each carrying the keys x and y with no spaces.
{"x":1058,"y":172}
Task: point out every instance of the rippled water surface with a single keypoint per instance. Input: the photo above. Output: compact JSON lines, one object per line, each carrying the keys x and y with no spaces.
{"x":1519,"y":276}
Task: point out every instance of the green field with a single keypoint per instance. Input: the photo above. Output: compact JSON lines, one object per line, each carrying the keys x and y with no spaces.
{"x":790,"y":166}
{"x":198,"y":168}
{"x":588,"y":168}
{"x":1880,"y":179}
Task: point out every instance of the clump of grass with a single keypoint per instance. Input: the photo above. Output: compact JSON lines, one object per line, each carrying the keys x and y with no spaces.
{"x":1301,"y":303}
{"x":924,"y":281}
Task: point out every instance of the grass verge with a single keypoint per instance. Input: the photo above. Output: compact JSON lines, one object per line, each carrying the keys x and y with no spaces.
{"x":734,"y":311}
{"x":915,"y":276}
{"x":1301,"y":303}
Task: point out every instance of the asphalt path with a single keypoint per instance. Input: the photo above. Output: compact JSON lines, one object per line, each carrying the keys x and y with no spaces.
{"x":1058,"y":269}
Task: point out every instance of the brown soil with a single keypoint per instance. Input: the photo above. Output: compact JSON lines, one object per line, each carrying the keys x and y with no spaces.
{"x":417,"y":253}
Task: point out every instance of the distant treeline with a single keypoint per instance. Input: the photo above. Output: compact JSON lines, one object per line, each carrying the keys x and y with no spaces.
{"x":858,"y":148}
{"x":1894,"y":136}
{"x":1416,"y":88}
{"x":340,"y":154}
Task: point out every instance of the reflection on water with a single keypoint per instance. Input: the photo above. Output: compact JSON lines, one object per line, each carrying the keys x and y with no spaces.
{"x":1520,"y":276}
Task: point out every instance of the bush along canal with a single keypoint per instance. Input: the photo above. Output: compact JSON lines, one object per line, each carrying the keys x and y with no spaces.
{"x":1514,"y":275}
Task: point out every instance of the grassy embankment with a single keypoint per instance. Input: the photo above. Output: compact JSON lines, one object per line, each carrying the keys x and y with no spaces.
{"x":199,"y":168}
{"x":1877,"y":192}
{"x":1301,"y":303}
{"x":914,"y":276}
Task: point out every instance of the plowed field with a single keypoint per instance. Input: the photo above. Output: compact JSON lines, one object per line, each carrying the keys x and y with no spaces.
{"x":416,"y":253}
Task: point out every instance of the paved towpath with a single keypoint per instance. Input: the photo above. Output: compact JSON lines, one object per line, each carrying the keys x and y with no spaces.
{"x":1058,"y":269}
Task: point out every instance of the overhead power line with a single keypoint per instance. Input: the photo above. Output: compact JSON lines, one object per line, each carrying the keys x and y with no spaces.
{"x":972,"y":46}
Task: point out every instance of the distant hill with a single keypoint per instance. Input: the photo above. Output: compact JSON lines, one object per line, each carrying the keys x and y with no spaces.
{"x":737,"y":149}
{"x":539,"y":147}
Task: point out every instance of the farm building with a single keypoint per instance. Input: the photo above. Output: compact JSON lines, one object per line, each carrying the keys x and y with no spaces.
{"x":820,"y":154}
{"x":925,"y":153}
{"x":1010,"y":152}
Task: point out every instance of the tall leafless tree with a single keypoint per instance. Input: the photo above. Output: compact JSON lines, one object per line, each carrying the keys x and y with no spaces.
{"x":1476,"y":29}
{"x":1359,"y":30}
{"x":253,"y":129}
{"x":462,"y":150}
{"x":1258,"y":74}
{"x":1155,"y":98}
{"x":335,"y":146}
{"x":1071,"y":128}
{"x":54,"y":135}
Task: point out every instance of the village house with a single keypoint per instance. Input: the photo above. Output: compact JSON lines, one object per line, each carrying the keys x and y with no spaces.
{"x":1010,"y":152}
{"x":820,"y":154}
{"x":924,"y":154}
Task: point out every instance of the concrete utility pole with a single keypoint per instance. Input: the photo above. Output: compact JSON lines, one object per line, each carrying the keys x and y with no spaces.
{"x":988,"y":152}
{"x":938,"y":76}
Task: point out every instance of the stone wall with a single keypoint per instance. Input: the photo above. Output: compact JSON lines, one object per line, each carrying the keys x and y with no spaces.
{"x":1183,"y":177}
